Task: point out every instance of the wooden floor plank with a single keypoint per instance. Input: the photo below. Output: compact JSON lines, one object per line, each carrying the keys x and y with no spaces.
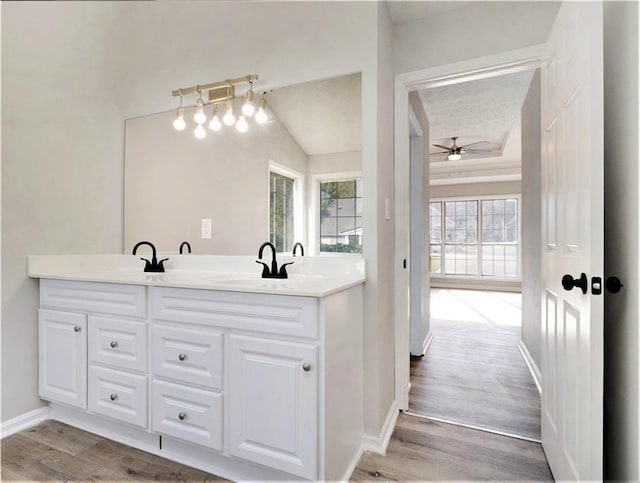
{"x":424,"y":450}
{"x":473,"y":372}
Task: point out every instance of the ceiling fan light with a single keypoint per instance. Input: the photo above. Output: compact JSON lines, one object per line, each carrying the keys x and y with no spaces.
{"x":454,"y":157}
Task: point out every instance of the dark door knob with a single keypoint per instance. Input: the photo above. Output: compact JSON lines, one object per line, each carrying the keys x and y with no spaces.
{"x":568,"y":282}
{"x":613,"y":284}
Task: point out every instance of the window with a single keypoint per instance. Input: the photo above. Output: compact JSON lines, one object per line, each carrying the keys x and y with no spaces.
{"x":285,"y":207}
{"x":340,"y":207}
{"x":474,"y":237}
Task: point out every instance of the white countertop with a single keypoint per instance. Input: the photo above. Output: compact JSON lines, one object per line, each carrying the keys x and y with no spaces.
{"x":308,"y":276}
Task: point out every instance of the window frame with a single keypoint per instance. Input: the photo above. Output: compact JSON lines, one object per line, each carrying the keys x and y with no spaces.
{"x":479,"y":199}
{"x":314,"y":209}
{"x":298,"y":199}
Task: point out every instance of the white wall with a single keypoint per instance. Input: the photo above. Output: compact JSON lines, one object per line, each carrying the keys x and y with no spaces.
{"x":173,"y":180}
{"x":475,"y":189}
{"x":481,"y":29}
{"x":74,"y":204}
{"x":531,"y":247}
{"x":61,"y":162}
{"x":622,"y":242}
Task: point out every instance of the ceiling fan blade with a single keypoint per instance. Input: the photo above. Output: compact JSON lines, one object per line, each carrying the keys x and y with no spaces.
{"x":478,"y":142}
{"x":477,"y":151}
{"x":443,"y":147}
{"x":439,"y":152}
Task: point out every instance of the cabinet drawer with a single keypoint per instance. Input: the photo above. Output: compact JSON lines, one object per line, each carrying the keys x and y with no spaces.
{"x":117,"y":342}
{"x":275,"y":314}
{"x":188,"y":354}
{"x":103,"y":298}
{"x":119,"y":395}
{"x":194,"y":415}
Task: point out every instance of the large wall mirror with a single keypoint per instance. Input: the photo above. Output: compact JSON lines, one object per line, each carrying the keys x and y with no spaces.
{"x":295,"y":178}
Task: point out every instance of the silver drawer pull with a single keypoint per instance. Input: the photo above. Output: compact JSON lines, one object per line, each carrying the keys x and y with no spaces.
{"x":181,"y":416}
{"x":113,"y":344}
{"x":306,"y":367}
{"x":182,"y":357}
{"x":77,"y":328}
{"x":113,"y":397}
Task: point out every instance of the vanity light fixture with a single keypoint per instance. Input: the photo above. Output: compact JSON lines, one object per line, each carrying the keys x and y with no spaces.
{"x":219,"y":93}
{"x":248,"y":109}
{"x":215,"y":124}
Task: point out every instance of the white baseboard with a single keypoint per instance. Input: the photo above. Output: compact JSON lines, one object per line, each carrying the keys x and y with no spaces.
{"x":427,"y":342}
{"x":531,"y":364}
{"x":24,"y":421}
{"x":352,"y":466}
{"x":378,"y":444}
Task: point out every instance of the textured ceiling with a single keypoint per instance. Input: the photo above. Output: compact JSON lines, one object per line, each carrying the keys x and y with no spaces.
{"x":486,"y":109}
{"x":322,"y":116}
{"x":407,"y":11}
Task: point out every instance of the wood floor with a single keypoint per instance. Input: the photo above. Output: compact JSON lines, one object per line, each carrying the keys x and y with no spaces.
{"x":473,"y":372}
{"x":424,"y":450}
{"x":53,"y":451}
{"x":419,"y":450}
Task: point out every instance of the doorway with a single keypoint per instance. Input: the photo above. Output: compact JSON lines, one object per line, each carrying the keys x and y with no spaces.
{"x":453,"y":360}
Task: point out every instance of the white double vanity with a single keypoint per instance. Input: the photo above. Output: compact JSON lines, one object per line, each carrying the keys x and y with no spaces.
{"x":207,"y":363}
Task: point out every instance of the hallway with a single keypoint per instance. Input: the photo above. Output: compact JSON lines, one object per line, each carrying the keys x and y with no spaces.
{"x":473,"y":372}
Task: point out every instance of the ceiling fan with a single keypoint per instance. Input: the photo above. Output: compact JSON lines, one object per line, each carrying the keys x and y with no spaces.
{"x":454,"y":152}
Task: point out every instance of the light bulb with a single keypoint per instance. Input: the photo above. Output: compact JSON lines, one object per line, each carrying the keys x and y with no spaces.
{"x":261,"y":115}
{"x":248,"y":109}
{"x":228,"y":117}
{"x":200,"y":132}
{"x":242,"y":125}
{"x":178,"y":122}
{"x":454,"y":157}
{"x":199,"y":117}
{"x":215,"y":123}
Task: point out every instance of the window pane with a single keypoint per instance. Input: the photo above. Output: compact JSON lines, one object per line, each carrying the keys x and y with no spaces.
{"x":340,"y":216}
{"x":435,"y":258}
{"x":281,"y":220}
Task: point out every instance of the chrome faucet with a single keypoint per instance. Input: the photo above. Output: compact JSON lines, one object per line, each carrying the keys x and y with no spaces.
{"x":187,"y":245}
{"x":152,"y":265}
{"x":298,"y":244}
{"x":273,"y":272}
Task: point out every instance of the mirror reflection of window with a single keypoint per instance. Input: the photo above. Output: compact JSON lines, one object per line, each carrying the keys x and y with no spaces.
{"x":341,"y":216}
{"x":286,"y":195}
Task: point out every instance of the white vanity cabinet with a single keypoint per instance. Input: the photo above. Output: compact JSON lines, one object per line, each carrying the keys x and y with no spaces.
{"x":63,"y":357}
{"x":248,"y":386}
{"x":93,"y":348}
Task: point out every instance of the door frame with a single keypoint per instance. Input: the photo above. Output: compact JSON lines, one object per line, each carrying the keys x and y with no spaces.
{"x":473,"y":69}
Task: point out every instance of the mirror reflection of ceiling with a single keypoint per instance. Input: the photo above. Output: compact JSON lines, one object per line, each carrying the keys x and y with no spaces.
{"x":322,"y":116}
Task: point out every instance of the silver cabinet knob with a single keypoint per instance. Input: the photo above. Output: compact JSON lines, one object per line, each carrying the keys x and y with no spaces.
{"x":113,"y":397}
{"x":181,"y":416}
{"x":182,"y":357}
{"x":77,"y":328}
{"x":113,"y":344}
{"x":306,"y":367}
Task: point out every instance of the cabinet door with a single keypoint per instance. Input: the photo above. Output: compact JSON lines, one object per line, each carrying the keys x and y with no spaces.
{"x":273,"y":403}
{"x":63,"y":357}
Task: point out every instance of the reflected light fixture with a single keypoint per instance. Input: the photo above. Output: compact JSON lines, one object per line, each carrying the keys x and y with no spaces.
{"x":219,"y":93}
{"x":261,"y":115}
{"x":179,"y":123}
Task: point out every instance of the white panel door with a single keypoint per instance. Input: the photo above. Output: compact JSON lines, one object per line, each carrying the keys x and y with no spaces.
{"x":273,"y":403}
{"x":62,"y":340}
{"x":573,"y":239}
